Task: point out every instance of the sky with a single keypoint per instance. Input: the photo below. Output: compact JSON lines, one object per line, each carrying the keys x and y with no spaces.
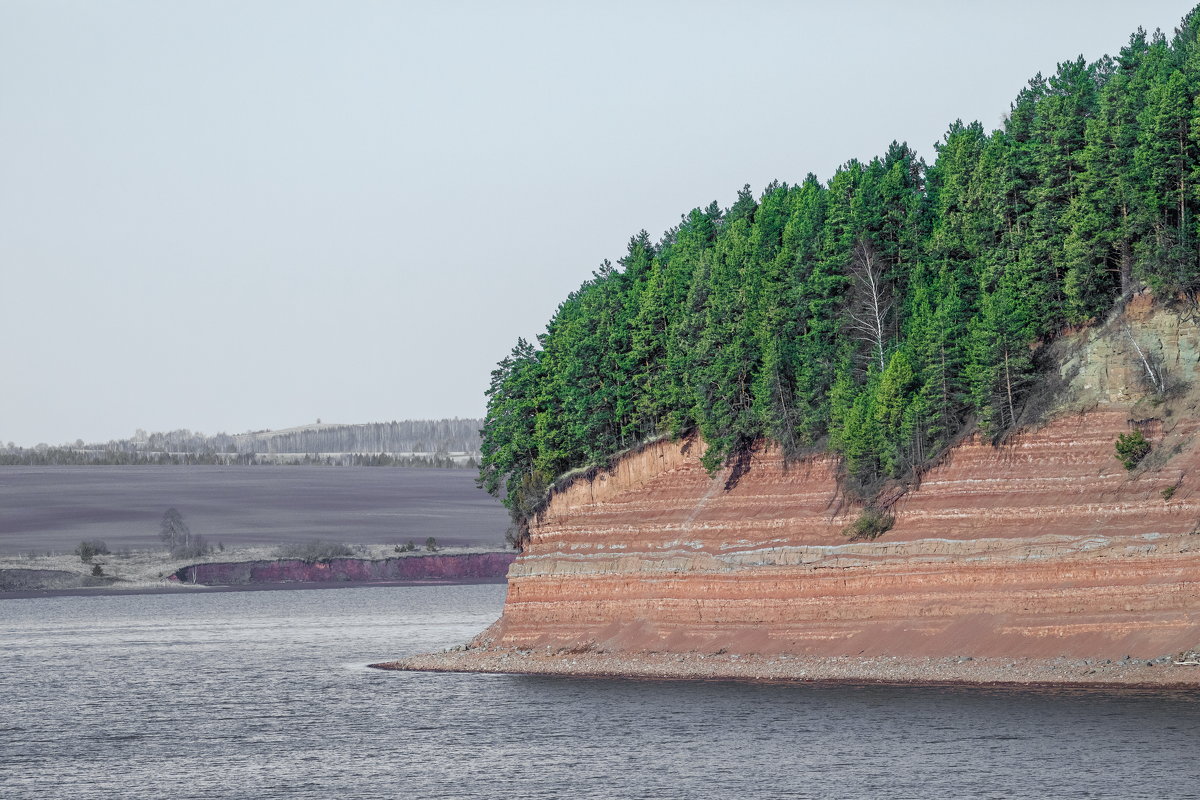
{"x":231,"y":216}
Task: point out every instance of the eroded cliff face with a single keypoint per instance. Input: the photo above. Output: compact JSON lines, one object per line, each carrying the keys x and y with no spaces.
{"x":1045,"y":546}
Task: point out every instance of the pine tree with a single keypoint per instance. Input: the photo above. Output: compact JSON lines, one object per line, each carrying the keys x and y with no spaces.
{"x":878,"y":315}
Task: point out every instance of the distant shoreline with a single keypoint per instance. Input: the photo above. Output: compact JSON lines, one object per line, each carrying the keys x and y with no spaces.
{"x":113,"y":590}
{"x":250,"y":569}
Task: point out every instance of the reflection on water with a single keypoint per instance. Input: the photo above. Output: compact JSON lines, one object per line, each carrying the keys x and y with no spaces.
{"x":267,"y":694}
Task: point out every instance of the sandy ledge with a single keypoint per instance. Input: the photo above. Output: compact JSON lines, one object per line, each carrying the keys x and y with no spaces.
{"x":1161,"y":673}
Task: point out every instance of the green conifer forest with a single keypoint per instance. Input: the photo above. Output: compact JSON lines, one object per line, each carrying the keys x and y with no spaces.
{"x":881,"y":313}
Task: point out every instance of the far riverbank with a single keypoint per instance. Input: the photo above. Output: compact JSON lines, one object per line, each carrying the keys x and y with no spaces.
{"x":112,"y":591}
{"x":251,"y":568}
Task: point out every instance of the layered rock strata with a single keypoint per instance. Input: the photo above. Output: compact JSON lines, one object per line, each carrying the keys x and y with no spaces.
{"x":1042,"y":547}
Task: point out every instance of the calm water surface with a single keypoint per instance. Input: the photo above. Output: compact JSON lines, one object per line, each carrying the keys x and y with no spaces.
{"x":266,"y":695}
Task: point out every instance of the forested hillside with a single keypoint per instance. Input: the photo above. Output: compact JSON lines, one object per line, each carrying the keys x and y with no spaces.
{"x":885,"y":311}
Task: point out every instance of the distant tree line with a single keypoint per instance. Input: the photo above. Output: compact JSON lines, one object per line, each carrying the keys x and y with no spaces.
{"x":443,"y":444}
{"x":880,"y":314}
{"x":409,"y":436}
{"x":57,"y":456}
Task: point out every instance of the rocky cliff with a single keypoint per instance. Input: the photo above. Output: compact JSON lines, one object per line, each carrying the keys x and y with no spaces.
{"x":1042,"y":546}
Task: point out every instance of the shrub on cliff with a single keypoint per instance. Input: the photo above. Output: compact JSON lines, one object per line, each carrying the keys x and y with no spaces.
{"x":1132,"y":448}
{"x":89,"y":548}
{"x":316,"y":550}
{"x":871,"y":524}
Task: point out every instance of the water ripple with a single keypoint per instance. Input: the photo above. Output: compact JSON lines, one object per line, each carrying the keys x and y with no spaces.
{"x":267,"y":695}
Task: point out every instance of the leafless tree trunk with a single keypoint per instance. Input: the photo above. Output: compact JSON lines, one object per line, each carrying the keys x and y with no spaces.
{"x":1126,"y":261}
{"x":1154,"y":376}
{"x":873,"y":306}
{"x":786,"y":429}
{"x":1008,"y":388}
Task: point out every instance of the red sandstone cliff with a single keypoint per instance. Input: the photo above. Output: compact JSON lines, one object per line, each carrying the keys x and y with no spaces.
{"x":1045,"y":546}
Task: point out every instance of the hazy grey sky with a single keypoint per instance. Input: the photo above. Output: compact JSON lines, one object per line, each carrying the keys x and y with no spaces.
{"x":236,"y":215}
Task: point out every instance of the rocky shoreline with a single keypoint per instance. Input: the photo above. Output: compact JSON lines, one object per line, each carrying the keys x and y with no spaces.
{"x":245,"y":569}
{"x":1165,"y":672}
{"x":410,"y":567}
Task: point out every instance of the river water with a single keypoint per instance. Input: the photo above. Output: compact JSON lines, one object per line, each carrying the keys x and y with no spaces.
{"x":267,"y":695}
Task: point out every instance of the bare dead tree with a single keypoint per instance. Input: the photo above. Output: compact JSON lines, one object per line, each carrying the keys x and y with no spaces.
{"x":1153,"y":372}
{"x":873,"y":307}
{"x":1008,"y":386}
